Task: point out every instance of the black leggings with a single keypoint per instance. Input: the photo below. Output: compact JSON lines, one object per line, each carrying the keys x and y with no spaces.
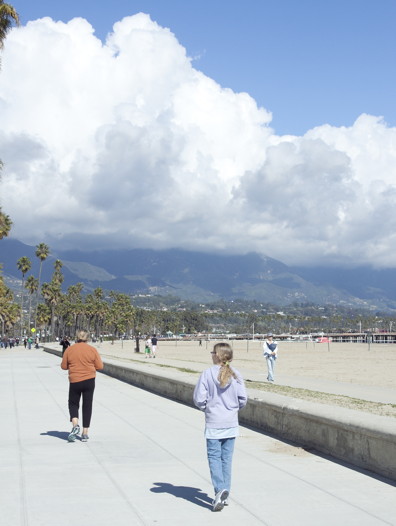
{"x":85,"y":388}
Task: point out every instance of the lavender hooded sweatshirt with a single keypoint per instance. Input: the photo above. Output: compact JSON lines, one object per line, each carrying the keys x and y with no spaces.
{"x":221,"y":404}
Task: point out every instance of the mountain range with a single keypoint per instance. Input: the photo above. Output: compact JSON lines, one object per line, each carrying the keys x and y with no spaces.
{"x":208,"y":277}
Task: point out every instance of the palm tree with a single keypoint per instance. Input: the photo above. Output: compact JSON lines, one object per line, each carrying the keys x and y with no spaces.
{"x":9,"y":311}
{"x":120,"y":314}
{"x":57,"y":276}
{"x":52,"y":294}
{"x":142,"y":323}
{"x":71,"y":310}
{"x":24,"y":265}
{"x":32,"y":286}
{"x":8,"y":17}
{"x":5,"y":221}
{"x":96,"y":309}
{"x":42,"y":252}
{"x":5,"y":224}
{"x":43,"y":318}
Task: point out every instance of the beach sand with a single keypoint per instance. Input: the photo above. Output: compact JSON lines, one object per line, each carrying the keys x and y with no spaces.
{"x":350,"y":375}
{"x":338,"y":362}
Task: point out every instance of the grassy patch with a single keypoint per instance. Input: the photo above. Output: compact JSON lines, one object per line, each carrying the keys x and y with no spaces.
{"x":326,"y":398}
{"x":152,"y":362}
{"x":181,"y":369}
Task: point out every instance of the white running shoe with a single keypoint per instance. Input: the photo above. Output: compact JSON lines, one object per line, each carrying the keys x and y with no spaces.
{"x":73,"y":434}
{"x":221,"y":497}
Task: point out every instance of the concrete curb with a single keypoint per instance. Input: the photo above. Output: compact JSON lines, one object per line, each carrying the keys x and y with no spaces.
{"x":361,"y":439}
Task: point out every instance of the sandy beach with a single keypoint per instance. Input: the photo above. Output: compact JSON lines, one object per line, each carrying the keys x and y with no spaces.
{"x":350,"y":375}
{"x":338,"y":362}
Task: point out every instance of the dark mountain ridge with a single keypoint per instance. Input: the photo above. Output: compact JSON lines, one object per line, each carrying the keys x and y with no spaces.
{"x":206,"y":277}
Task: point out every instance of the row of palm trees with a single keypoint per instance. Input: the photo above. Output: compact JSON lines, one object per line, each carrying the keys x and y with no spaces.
{"x":32,"y":284}
{"x":57,"y":313}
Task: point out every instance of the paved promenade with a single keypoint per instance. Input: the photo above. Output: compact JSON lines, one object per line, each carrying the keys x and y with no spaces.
{"x":145,"y":463}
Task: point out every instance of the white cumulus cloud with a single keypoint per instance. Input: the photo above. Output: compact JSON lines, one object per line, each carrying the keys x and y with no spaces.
{"x":126,"y":144}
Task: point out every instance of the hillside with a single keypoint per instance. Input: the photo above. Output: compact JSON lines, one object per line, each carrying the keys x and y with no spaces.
{"x":207,"y":277}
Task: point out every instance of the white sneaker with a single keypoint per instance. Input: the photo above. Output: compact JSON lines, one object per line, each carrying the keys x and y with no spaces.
{"x":221,"y":497}
{"x":74,"y":432}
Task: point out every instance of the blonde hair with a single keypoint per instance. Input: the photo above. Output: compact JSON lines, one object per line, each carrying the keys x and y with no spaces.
{"x":224,"y":354}
{"x":82,"y":336}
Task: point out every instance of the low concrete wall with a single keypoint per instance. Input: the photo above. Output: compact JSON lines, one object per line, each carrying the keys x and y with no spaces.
{"x":176,"y":389}
{"x":364,"y":440}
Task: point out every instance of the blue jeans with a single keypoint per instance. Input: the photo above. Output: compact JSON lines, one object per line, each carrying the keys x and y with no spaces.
{"x":220,"y":461}
{"x":271,"y":368}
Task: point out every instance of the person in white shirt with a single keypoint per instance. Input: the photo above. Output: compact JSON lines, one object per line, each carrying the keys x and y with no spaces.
{"x":270,"y":352}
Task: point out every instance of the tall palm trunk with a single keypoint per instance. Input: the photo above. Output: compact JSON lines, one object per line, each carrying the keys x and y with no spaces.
{"x":53,"y":323}
{"x":22,"y":308}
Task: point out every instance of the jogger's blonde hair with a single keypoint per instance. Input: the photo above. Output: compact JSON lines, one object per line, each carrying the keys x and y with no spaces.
{"x":82,"y":336}
{"x":224,"y":354}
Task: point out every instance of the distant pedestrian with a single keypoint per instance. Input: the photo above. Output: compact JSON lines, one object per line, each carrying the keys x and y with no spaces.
{"x":65,"y":344}
{"x":270,"y":352}
{"x":154,"y":342}
{"x":147,"y":348}
{"x":220,"y":393}
{"x":82,"y":361}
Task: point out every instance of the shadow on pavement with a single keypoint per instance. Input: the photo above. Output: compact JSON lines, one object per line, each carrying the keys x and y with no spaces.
{"x":57,"y":434}
{"x":194,"y":495}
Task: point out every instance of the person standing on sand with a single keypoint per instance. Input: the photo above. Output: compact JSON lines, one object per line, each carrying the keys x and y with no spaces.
{"x":154,"y":343}
{"x":147,"y":347}
{"x":82,"y":361}
{"x":270,"y":351}
{"x":220,"y":393}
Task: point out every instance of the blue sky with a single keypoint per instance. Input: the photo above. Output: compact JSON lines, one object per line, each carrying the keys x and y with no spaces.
{"x":309,"y":62}
{"x":215,"y":126}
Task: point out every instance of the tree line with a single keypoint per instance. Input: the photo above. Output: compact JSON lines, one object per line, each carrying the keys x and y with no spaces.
{"x":53,"y":313}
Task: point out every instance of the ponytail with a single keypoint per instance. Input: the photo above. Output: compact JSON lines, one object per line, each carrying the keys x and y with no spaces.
{"x":225,"y":355}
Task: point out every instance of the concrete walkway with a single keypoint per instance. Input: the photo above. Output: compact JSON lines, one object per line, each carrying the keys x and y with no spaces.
{"x":145,"y":463}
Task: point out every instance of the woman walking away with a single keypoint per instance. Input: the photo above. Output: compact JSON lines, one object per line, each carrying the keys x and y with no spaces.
{"x":82,"y":361}
{"x":220,"y":392}
{"x":270,"y":351}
